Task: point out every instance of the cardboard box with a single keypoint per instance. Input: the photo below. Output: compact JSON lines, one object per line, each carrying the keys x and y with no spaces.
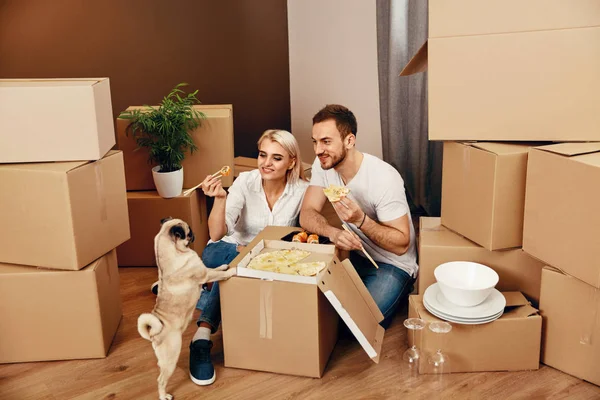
{"x":55,"y":120}
{"x":146,"y":210}
{"x":569,"y":308}
{"x":62,"y":215}
{"x":214,"y":139}
{"x":244,"y":164}
{"x":511,"y":343}
{"x":509,"y":70}
{"x":483,"y":192}
{"x":59,"y":315}
{"x":286,"y":324}
{"x":437,"y":245}
{"x":562,"y":213}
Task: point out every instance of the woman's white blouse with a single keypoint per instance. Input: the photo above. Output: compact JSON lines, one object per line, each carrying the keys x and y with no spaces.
{"x":247,"y":211}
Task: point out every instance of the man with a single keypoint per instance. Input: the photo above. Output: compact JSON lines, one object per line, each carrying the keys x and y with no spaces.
{"x":375,"y":210}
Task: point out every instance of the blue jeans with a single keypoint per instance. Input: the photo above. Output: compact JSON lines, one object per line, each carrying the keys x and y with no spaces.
{"x":389,"y":285}
{"x":213,"y":256}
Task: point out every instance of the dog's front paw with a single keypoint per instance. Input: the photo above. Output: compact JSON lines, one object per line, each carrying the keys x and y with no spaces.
{"x":222,"y":267}
{"x":166,"y":397}
{"x":231,"y":272}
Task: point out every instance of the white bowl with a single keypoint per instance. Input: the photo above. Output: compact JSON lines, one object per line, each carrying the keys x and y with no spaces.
{"x":465,"y":283}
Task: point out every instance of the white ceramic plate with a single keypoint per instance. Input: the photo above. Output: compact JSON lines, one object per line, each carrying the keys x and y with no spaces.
{"x":440,"y":314}
{"x":493,"y":305}
{"x":461,"y":321}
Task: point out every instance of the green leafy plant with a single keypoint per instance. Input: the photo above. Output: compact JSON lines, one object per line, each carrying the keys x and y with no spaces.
{"x":165,"y":130}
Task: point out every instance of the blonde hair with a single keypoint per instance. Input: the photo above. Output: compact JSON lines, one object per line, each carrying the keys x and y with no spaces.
{"x":290,"y":144}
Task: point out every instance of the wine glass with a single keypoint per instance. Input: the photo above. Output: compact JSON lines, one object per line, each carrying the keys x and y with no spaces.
{"x":412,"y":355}
{"x":438,"y":360}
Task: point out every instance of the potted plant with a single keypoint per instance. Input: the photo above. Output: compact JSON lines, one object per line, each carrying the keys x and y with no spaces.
{"x":165,"y":132}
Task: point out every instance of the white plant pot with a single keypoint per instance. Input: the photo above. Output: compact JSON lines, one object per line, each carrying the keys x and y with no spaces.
{"x":168,"y":184}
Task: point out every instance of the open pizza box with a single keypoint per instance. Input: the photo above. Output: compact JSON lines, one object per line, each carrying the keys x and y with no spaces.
{"x":338,"y":282}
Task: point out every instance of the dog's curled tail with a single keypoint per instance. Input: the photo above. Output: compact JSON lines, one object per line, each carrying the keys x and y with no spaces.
{"x":149,"y":325}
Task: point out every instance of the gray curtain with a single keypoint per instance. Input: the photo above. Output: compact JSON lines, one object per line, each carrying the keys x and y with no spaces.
{"x":401,"y":30}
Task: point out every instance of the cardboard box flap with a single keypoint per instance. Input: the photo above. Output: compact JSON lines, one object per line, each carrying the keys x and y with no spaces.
{"x":347,"y":293}
{"x":418,"y":63}
{"x":364,"y":292}
{"x":502,"y":148}
{"x":572,"y":149}
{"x":515,"y":299}
{"x":524,"y":311}
{"x":517,"y":306}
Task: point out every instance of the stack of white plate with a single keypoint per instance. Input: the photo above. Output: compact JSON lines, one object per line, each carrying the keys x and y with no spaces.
{"x":465,"y":294}
{"x":490,"y":310}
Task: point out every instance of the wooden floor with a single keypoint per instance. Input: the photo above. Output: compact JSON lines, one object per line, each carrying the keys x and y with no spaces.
{"x":129,"y":371}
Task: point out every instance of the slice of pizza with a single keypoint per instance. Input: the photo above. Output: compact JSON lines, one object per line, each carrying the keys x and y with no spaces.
{"x":286,"y":269}
{"x":309,"y":268}
{"x":335,"y":193}
{"x":294,"y":255}
{"x":264,"y":261}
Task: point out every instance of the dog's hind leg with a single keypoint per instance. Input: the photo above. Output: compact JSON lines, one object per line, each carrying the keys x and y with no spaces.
{"x":167,"y":354}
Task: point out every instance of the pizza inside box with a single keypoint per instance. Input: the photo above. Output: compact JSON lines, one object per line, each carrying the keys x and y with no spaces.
{"x":288,"y":322}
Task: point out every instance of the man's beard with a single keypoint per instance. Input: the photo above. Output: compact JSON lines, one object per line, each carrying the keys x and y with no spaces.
{"x":336,"y":161}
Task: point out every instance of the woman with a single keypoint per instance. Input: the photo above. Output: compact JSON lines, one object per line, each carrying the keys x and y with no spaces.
{"x":269,"y":195}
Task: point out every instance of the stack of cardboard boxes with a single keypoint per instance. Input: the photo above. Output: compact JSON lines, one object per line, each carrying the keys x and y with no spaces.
{"x":214,"y":139}
{"x":63,"y":208}
{"x":505,"y":77}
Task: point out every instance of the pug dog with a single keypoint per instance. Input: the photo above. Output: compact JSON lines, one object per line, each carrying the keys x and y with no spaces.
{"x":181,"y":274}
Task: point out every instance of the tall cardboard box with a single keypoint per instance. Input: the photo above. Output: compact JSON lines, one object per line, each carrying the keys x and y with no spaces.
{"x":571,"y":326}
{"x":62,"y":215}
{"x":214,"y":139}
{"x":55,"y":120}
{"x":562,"y":208}
{"x":437,"y":245}
{"x":288,"y":324}
{"x":483,"y":192}
{"x":59,"y":315}
{"x":146,"y":210}
{"x":512,"y":70}
{"x":511,"y":343}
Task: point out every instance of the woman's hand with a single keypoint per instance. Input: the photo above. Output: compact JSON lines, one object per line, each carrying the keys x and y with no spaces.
{"x":212,"y":187}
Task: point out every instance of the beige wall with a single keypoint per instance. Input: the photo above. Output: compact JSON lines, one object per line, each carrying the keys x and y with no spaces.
{"x":233,"y":52}
{"x":333,"y":59}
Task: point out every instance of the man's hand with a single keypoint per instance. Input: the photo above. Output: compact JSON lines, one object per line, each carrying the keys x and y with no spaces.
{"x":346,"y":240}
{"x":349,"y":211}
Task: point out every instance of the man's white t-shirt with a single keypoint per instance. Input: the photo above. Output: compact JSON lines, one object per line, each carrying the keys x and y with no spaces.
{"x":378,"y":189}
